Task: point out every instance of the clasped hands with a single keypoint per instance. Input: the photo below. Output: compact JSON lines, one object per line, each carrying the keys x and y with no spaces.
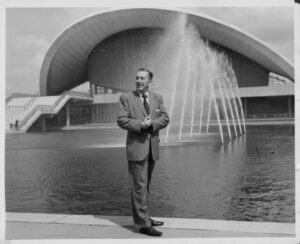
{"x":147,"y":122}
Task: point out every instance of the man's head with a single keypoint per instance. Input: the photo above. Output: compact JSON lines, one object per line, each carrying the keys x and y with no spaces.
{"x":143,"y":79}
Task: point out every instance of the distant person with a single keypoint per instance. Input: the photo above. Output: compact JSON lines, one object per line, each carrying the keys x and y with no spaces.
{"x":17,"y":124}
{"x":142,"y":113}
{"x":11,"y":123}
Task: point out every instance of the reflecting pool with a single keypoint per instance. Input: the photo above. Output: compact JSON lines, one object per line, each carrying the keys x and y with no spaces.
{"x":85,"y":172}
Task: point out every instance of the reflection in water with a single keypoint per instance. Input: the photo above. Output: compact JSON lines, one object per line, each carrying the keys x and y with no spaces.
{"x":250,"y":178}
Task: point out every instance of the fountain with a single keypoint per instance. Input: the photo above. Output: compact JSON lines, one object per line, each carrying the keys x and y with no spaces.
{"x":200,"y":88}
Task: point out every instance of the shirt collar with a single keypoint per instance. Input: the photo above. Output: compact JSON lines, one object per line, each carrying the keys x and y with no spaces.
{"x":146,"y":93}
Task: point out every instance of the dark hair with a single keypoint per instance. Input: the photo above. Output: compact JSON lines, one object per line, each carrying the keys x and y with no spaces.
{"x":149,"y":72}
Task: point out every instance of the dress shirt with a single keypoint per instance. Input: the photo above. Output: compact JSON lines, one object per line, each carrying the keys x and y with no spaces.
{"x":141,"y":96}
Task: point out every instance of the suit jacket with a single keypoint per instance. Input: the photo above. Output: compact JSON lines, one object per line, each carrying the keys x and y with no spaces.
{"x":131,"y":114}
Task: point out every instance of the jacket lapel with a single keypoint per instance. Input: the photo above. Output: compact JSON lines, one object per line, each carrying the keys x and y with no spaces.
{"x":151,"y":102}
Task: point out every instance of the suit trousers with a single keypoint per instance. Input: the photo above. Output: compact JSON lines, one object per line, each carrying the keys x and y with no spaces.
{"x":140,"y":173}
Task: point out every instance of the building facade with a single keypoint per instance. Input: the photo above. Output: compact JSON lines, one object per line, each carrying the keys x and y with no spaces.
{"x":106,"y":49}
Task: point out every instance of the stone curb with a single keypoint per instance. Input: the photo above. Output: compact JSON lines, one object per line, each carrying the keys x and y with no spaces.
{"x":173,"y":223}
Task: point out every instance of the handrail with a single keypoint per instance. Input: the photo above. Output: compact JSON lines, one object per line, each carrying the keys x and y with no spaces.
{"x":31,"y":100}
{"x":79,"y":94}
{"x":43,"y":108}
{"x":34,"y":97}
{"x":17,"y":95}
{"x":15,"y":108}
{"x":270,"y":116}
{"x":276,"y":78}
{"x":63,"y":95}
{"x":281,"y":84}
{"x":50,"y":108}
{"x":22,"y":107}
{"x":71,"y":94}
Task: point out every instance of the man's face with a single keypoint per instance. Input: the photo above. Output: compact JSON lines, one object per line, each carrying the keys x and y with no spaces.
{"x":142,"y":81}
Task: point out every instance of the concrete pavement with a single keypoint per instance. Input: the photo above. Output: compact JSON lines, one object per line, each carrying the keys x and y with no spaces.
{"x":60,"y":226}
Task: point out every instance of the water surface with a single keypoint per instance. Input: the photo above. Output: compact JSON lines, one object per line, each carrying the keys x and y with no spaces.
{"x":251,"y":178}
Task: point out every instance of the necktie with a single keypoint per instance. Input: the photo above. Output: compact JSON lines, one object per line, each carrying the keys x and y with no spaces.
{"x":146,"y":105}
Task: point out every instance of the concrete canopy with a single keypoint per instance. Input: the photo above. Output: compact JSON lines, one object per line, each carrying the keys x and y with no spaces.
{"x":65,"y":64}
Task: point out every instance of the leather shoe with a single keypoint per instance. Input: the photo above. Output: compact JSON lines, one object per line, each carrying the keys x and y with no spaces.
{"x":150,"y":231}
{"x":156,"y":223}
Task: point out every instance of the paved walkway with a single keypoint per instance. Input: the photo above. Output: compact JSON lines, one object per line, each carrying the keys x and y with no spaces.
{"x":59,"y":226}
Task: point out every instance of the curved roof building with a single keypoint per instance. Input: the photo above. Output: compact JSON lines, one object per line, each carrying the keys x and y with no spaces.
{"x":107,"y":49}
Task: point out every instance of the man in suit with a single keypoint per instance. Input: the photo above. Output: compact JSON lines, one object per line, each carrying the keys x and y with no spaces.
{"x":142,"y":114}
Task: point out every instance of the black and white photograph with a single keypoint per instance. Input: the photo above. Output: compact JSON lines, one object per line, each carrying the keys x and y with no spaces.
{"x":145,"y":123}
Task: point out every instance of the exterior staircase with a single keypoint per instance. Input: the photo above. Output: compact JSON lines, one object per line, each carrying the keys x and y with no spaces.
{"x":28,"y":109}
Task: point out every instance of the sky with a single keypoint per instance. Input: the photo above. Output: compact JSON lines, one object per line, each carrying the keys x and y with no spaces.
{"x":31,"y":31}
